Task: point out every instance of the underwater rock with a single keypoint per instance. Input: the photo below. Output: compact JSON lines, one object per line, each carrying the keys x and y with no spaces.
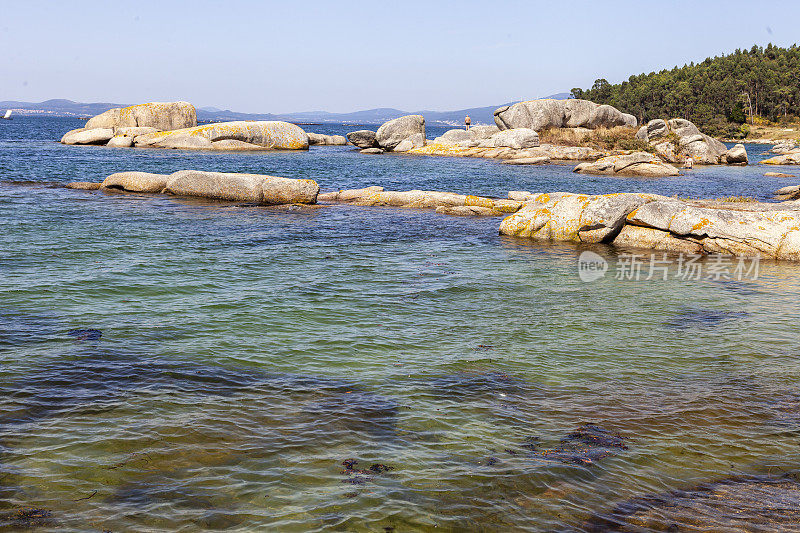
{"x":83,"y":185}
{"x":85,"y":334}
{"x":26,"y":518}
{"x":739,"y":504}
{"x":688,"y":318}
{"x":18,"y":329}
{"x":356,"y":476}
{"x":470,"y":385}
{"x":352,"y":410}
{"x":586,"y":445}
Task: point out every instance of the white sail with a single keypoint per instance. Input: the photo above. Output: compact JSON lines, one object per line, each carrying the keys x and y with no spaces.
{"x":8,"y":114}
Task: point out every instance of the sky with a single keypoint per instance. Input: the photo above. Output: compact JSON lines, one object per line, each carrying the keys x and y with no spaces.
{"x":280,"y":57}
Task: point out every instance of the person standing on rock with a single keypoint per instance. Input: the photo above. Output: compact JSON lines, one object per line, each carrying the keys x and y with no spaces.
{"x":689,"y":163}
{"x":467,"y":122}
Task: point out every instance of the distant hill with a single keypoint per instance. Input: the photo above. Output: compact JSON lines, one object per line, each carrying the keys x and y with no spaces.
{"x":61,"y":107}
{"x":479,"y":115}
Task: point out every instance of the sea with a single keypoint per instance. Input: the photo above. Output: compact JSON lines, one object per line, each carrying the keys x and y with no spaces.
{"x":173,"y":364}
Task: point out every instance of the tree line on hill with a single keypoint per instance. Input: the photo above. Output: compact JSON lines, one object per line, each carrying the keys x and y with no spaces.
{"x":720,"y":94}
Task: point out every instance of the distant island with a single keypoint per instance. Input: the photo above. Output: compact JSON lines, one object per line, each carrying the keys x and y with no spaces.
{"x":479,"y":115}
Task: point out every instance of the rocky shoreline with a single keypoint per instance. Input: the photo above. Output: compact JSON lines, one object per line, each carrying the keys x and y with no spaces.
{"x":515,"y":137}
{"x":770,"y":230}
{"x":628,"y":220}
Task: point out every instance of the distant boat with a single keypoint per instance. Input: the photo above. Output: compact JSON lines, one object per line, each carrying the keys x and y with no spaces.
{"x":7,"y":116}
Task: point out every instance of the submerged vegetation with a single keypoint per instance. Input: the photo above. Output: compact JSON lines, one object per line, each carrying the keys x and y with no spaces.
{"x":719,"y":94}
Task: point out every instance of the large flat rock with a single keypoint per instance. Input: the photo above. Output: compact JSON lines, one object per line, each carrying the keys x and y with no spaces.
{"x":276,"y":135}
{"x":256,"y":188}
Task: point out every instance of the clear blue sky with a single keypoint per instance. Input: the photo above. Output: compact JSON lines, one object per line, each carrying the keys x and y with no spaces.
{"x":345,"y":56}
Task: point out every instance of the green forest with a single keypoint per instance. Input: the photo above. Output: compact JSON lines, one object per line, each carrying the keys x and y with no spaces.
{"x":719,"y":94}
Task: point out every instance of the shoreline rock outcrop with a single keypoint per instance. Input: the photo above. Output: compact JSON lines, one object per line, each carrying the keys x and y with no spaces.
{"x":627,"y":220}
{"x":677,"y":139}
{"x":549,"y":151}
{"x":791,"y":158}
{"x":573,"y":113}
{"x":792,"y":192}
{"x":635,"y":164}
{"x":661,"y":223}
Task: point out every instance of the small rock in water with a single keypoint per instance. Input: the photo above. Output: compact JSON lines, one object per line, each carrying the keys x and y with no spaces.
{"x":471,"y":385}
{"x":778,"y":175}
{"x":85,"y":334}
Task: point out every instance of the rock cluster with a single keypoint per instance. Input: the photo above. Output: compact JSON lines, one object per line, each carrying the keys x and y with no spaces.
{"x":677,"y":139}
{"x":255,"y":188}
{"x":490,"y":137}
{"x":657,"y":222}
{"x":786,"y":147}
{"x":399,"y":135}
{"x":636,"y":220}
{"x":542,"y":114}
{"x":120,"y":125}
{"x":174,"y":125}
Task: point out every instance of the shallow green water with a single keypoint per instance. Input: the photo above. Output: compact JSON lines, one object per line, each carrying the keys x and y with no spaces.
{"x":249,"y":355}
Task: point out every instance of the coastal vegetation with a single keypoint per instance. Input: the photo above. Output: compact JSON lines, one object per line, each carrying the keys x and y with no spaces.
{"x":722,"y":94}
{"x":616,"y":138}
